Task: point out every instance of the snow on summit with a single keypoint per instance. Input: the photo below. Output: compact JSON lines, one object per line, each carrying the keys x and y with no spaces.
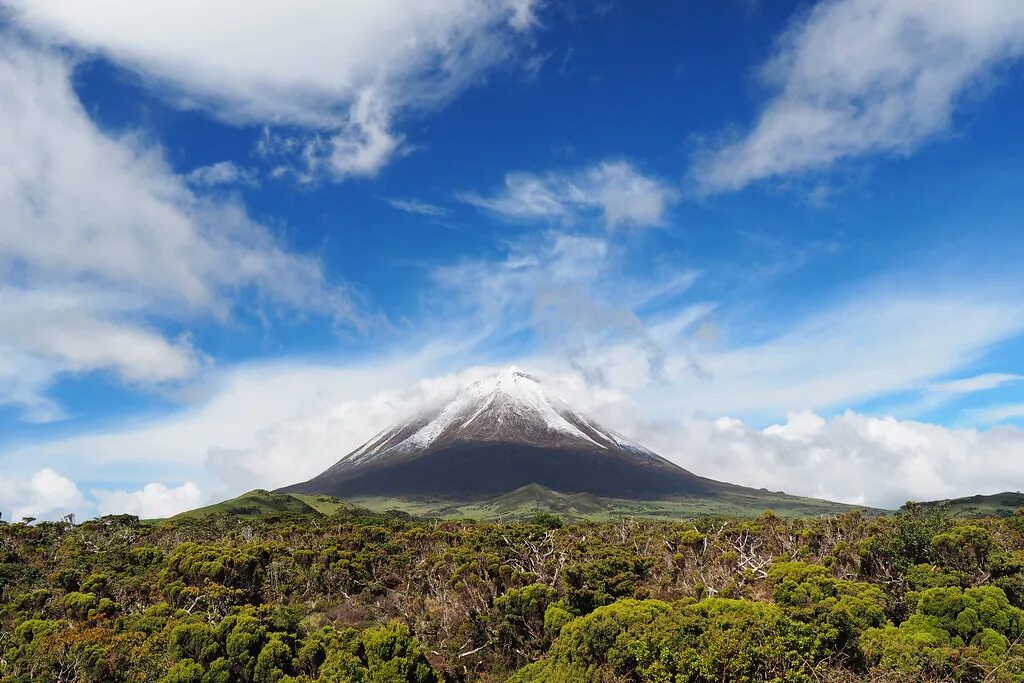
{"x":510,"y":406}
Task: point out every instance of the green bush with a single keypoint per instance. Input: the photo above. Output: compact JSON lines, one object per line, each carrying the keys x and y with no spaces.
{"x":391,"y":655}
{"x":194,"y":641}
{"x":520,"y":615}
{"x":184,"y":671}
{"x":651,"y":641}
{"x":966,"y":633}
{"x":79,"y":605}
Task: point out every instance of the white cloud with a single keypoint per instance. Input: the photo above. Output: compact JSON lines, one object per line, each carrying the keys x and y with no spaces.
{"x":568,"y":291}
{"x":77,"y":332}
{"x":638,"y":354}
{"x":298,"y":449}
{"x":268,"y":425}
{"x":154,"y":500}
{"x":614,"y":189}
{"x":854,"y":458}
{"x":853,"y":77}
{"x":996,"y":413}
{"x":222,"y":173}
{"x":103,"y":247}
{"x":348,"y":69}
{"x":681,"y":354}
{"x":966,"y":385}
{"x":232,"y":411}
{"x":43,"y":495}
{"x":417,"y":206}
{"x":871,"y":343}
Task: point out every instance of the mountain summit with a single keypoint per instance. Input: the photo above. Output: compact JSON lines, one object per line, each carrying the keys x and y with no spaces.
{"x":497,"y":435}
{"x":509,"y":407}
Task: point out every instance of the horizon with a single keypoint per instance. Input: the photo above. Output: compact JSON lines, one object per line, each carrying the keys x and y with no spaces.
{"x":776,"y":243}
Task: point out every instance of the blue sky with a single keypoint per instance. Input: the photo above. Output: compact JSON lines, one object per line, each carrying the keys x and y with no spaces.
{"x":778,"y":242}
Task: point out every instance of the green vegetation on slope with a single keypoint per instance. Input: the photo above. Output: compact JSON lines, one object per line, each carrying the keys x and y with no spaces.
{"x":528,"y":500}
{"x":995,"y":505}
{"x":256,"y":504}
{"x":919,"y":596}
{"x":324,"y":504}
{"x":260,"y":504}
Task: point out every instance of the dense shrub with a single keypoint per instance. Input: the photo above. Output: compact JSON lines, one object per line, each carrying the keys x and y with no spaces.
{"x":911,"y":597}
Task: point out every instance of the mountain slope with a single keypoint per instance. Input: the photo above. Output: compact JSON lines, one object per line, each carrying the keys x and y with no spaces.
{"x":995,"y":505}
{"x":260,"y":504}
{"x":251,"y":505}
{"x":504,"y":444}
{"x":529,"y":500}
{"x":499,"y":434}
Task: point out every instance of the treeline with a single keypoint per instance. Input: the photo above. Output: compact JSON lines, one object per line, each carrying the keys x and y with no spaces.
{"x":912,"y":597}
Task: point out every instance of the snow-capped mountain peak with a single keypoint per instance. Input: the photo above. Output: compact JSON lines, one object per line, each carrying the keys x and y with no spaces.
{"x":510,"y":406}
{"x":497,"y":435}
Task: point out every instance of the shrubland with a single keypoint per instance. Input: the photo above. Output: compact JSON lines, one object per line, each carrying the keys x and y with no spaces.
{"x":915,"y":596}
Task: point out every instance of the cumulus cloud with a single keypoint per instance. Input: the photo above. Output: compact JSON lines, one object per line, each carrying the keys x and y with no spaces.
{"x":43,"y":495}
{"x":154,"y":500}
{"x":623,"y":196}
{"x":103,"y":248}
{"x":344,"y":70}
{"x":854,"y":458}
{"x":853,"y":77}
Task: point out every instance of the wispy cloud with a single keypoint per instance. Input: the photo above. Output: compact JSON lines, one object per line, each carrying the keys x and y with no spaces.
{"x":615,"y":190}
{"x":967,"y":385}
{"x":107,"y":256}
{"x":872,"y":342}
{"x":338,"y":75}
{"x":995,"y":414}
{"x":418,"y":207}
{"x":222,"y":173}
{"x":853,"y":77}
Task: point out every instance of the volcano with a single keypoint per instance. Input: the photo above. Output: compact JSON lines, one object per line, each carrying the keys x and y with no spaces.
{"x":501,"y":434}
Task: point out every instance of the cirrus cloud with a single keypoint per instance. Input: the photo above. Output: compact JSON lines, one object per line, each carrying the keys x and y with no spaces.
{"x":618,"y":192}
{"x":854,"y":77}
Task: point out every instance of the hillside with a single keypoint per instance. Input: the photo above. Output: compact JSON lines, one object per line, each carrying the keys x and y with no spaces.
{"x":520,"y":504}
{"x":528,"y":500}
{"x":261,"y":504}
{"x":994,"y":505}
